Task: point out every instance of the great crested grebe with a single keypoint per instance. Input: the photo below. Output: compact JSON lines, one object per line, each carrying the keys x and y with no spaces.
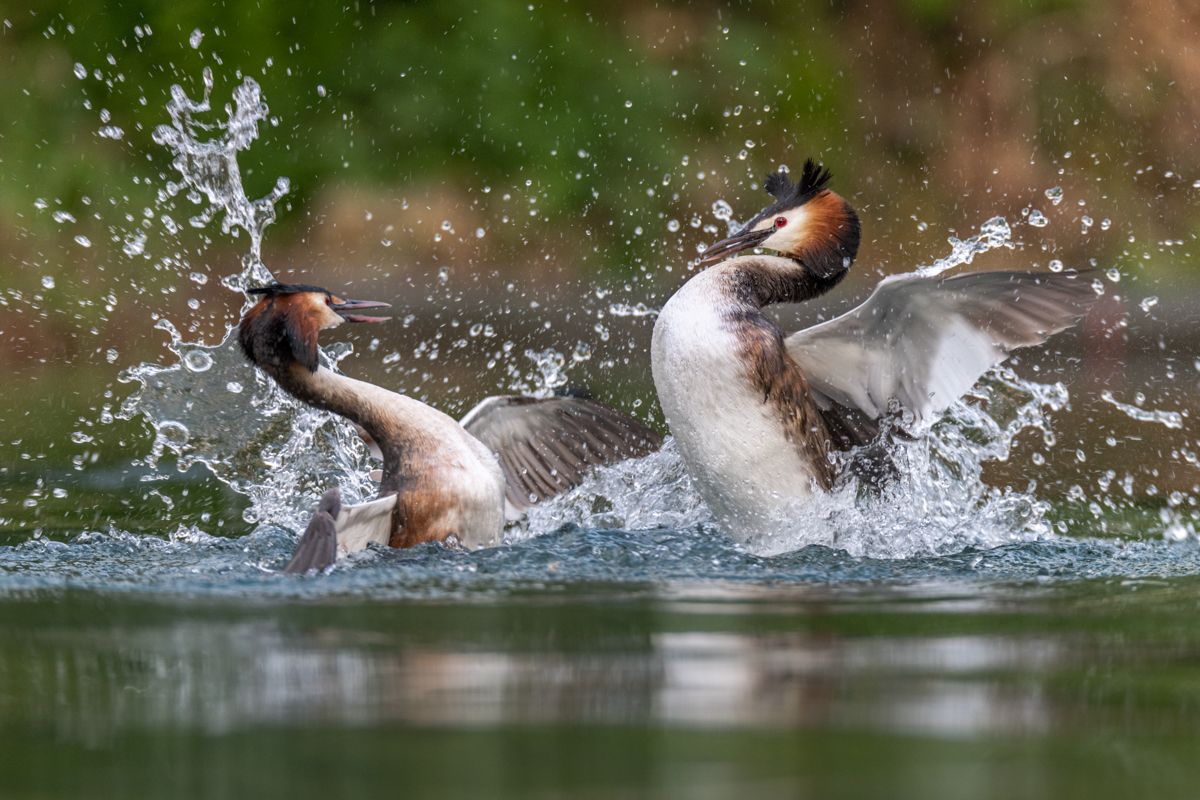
{"x":756,"y":413}
{"x":440,"y":478}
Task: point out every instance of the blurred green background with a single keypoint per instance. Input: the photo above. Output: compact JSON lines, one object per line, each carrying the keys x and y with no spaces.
{"x":529,"y":165}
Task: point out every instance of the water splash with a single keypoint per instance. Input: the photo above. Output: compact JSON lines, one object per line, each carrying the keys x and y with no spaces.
{"x":1171,"y":419}
{"x":994,"y":234}
{"x":206,"y":158}
{"x":939,"y":504}
{"x":259,"y":441}
{"x":211,"y":408}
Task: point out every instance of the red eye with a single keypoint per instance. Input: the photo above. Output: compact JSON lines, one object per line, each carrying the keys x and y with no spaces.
{"x":780,"y":222}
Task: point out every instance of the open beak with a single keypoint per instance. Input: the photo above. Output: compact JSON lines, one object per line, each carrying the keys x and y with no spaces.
{"x":734,"y":244}
{"x":346,"y":308}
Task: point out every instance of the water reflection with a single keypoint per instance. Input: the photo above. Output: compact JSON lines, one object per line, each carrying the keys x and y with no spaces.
{"x":646,"y":665}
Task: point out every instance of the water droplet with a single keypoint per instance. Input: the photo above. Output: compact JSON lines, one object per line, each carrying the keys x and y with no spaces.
{"x":722,"y":210}
{"x":135,"y":244}
{"x":173,"y":433}
{"x":629,"y":104}
{"x":80,"y":71}
{"x":47,"y":281}
{"x":1148,"y":303}
{"x":1113,"y":274}
{"x":1054,"y":194}
{"x":1037,"y":219}
{"x":197,"y":360}
{"x":321,"y":90}
{"x":61,"y":216}
{"x":443,"y":274}
{"x":673,"y":225}
{"x":83,"y":241}
{"x":195,"y":39}
{"x":234,"y":387}
{"x":1056,"y":265}
{"x":480,"y":233}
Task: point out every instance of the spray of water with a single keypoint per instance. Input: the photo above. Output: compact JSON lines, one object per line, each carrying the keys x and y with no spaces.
{"x":209,"y":407}
{"x":206,"y":159}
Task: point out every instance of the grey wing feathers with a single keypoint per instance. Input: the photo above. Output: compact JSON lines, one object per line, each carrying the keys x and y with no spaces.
{"x":546,"y":445}
{"x":920,"y":343}
{"x":317,"y":548}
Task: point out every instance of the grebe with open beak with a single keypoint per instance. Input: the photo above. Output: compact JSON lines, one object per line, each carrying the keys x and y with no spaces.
{"x":440,"y":478}
{"x":757,"y":413}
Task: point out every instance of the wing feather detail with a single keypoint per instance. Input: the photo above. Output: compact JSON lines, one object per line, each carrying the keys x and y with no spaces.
{"x":920,"y":343}
{"x":546,"y":445}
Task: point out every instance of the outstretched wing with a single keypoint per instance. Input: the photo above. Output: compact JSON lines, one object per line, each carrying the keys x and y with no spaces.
{"x":337,"y":530}
{"x":923,"y":342}
{"x":546,"y":445}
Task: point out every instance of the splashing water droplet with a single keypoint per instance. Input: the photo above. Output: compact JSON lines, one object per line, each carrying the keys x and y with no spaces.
{"x":208,"y":167}
{"x":47,"y":281}
{"x":80,"y":71}
{"x":197,"y":360}
{"x":83,"y":241}
{"x":993,"y":234}
{"x":196,"y":38}
{"x":1054,"y":195}
{"x":1037,"y":219}
{"x":1170,"y":419}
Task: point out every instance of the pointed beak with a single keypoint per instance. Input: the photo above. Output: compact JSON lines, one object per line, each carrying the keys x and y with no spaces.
{"x":346,"y":308}
{"x":734,"y":244}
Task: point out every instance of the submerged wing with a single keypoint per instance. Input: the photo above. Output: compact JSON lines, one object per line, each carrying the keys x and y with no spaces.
{"x":337,"y":530}
{"x":545,"y":446}
{"x":923,"y":342}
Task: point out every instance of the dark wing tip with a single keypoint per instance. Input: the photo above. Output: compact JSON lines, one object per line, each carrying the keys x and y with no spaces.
{"x":317,"y":548}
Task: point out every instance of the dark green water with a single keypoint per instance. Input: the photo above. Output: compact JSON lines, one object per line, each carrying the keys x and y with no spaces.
{"x":599,"y":664}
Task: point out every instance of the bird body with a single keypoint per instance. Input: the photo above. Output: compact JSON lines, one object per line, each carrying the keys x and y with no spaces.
{"x":757,"y":414}
{"x":440,"y":480}
{"x":732,"y":439}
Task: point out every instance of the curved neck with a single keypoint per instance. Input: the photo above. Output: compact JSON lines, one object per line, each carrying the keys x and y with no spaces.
{"x":364,"y":404}
{"x":765,"y":280}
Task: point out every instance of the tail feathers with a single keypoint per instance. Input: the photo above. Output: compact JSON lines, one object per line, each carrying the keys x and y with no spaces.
{"x":318,"y":546}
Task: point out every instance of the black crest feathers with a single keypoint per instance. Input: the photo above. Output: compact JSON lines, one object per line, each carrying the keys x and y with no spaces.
{"x":276,"y":289}
{"x":813,"y":179}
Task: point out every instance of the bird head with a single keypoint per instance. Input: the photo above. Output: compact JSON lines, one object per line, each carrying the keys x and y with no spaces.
{"x":807,"y":222}
{"x":283,"y":326}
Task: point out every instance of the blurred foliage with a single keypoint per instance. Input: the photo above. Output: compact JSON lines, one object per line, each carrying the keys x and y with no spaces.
{"x":602,"y":122}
